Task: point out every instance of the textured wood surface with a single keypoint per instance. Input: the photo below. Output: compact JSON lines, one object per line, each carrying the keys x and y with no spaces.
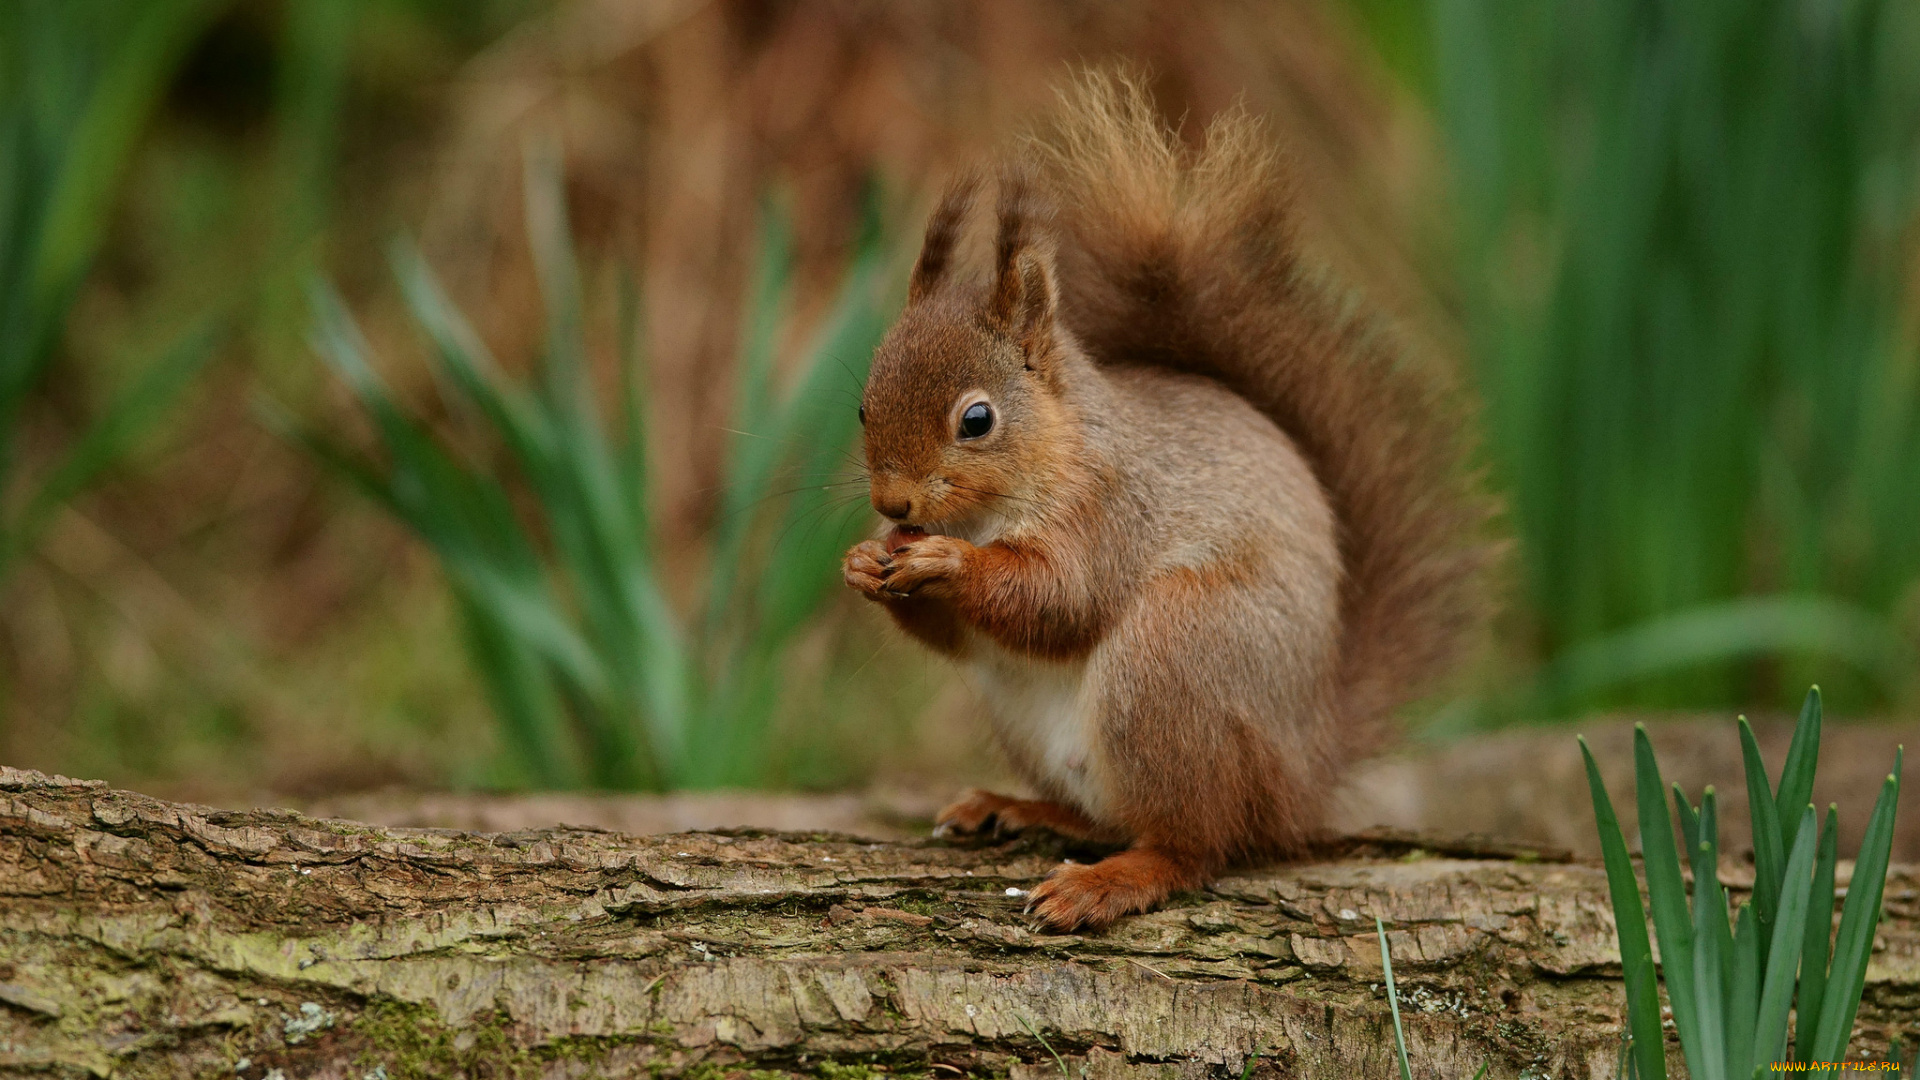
{"x":145,"y":938}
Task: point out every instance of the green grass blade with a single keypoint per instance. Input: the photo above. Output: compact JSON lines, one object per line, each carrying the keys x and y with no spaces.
{"x":102,"y":140}
{"x":1803,"y":757}
{"x":1711,"y":963}
{"x":523,"y":697}
{"x":1630,"y":922}
{"x":467,"y":519}
{"x":513,"y":671}
{"x":1058,"y":1061}
{"x":591,"y":551}
{"x":589,"y":499}
{"x":1853,"y":945}
{"x":1743,"y":992}
{"x":466,"y":360}
{"x":1705,"y":863}
{"x":1769,"y":856}
{"x":1789,"y":940}
{"x":1393,"y":1001}
{"x":667,"y":687}
{"x":1811,"y":993}
{"x":615,"y":587}
{"x":1689,"y":816}
{"x":364,"y":476}
{"x":451,"y":507}
{"x":1666,"y":892}
{"x":533,"y":437}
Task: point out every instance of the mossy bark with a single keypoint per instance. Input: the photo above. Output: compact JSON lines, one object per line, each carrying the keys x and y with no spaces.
{"x":142,"y":938}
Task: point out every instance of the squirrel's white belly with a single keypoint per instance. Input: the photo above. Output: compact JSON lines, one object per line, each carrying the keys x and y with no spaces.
{"x":1042,"y":711}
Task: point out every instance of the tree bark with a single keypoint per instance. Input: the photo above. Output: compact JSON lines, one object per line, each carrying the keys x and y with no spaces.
{"x":143,"y":938}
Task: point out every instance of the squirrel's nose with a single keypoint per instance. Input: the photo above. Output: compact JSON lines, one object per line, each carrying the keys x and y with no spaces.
{"x":897,"y":507}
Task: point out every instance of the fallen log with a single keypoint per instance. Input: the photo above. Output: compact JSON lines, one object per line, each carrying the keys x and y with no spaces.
{"x":142,"y":938}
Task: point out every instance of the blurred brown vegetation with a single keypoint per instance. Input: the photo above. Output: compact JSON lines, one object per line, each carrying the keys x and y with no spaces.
{"x":678,"y":118}
{"x":223,"y":620}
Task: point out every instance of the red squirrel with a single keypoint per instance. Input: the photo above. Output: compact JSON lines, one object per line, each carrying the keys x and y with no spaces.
{"x":1192,"y":525}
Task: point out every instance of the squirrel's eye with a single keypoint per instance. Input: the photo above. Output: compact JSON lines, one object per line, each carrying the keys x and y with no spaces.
{"x":976,"y":421}
{"x":863,"y":416}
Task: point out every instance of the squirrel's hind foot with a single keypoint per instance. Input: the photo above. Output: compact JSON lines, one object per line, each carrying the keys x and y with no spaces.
{"x":1089,"y":897}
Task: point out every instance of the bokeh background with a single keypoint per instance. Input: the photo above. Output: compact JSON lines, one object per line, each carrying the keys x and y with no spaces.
{"x":456,"y":394}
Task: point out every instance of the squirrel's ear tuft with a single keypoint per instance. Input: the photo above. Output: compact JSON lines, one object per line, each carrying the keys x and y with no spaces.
{"x":943,"y":235}
{"x":1023,"y":290}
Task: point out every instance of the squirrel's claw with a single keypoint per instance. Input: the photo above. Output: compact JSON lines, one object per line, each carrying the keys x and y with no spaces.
{"x":1066,"y":901}
{"x":865,"y":570}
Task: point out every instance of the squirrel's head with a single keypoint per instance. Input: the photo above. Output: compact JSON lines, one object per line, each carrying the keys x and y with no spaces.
{"x":962,"y":406}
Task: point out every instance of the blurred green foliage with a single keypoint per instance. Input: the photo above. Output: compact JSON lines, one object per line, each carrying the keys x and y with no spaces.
{"x":168,"y":168}
{"x":1683,"y":228}
{"x":77,"y":84}
{"x":594,"y":673}
{"x":80,"y":86}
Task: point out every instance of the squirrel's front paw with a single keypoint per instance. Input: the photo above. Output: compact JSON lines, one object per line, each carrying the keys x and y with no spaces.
{"x":928,"y":566}
{"x":984,"y":812}
{"x":976,"y":812}
{"x":865,"y":570}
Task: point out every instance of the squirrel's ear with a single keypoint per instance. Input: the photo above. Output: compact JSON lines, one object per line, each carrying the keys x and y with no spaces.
{"x":1024,"y":299}
{"x":1023,"y":291}
{"x":943,"y":234}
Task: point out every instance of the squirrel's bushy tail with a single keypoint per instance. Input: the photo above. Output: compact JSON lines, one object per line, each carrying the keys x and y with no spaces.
{"x":1187,"y":259}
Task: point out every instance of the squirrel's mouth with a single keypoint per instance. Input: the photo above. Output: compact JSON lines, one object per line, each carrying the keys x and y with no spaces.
{"x":901,"y":535}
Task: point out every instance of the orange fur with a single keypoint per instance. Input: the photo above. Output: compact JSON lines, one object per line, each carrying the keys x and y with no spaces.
{"x":1217,"y":530}
{"x":1134,"y":880}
